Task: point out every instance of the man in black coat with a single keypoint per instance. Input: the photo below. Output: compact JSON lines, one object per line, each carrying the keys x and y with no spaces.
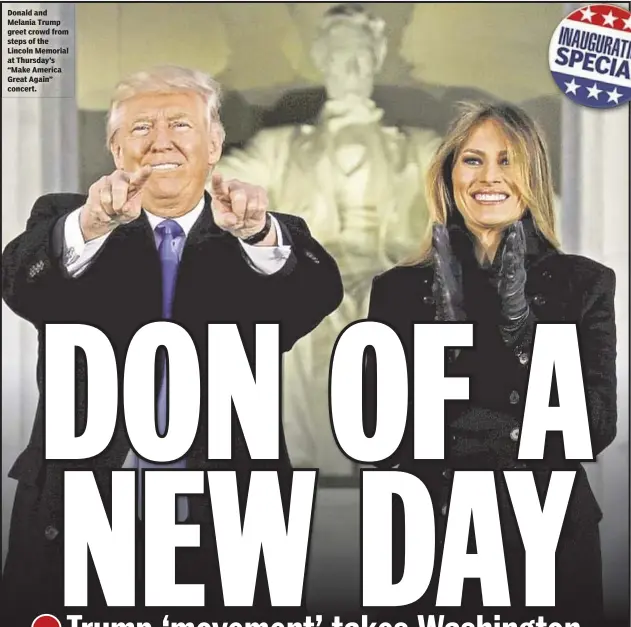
{"x":96,"y":260}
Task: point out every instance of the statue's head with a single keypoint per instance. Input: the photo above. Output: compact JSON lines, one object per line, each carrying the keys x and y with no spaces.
{"x":349,"y":50}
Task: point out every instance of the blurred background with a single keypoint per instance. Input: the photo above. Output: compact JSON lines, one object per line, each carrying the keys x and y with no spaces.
{"x":261,"y":54}
{"x":279,"y":119}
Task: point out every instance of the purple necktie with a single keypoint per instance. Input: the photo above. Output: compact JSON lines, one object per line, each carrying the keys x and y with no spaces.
{"x":170,"y":239}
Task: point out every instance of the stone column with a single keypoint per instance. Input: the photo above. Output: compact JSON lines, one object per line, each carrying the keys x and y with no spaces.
{"x":596,"y":224}
{"x":39,"y":150}
{"x":603,"y":235}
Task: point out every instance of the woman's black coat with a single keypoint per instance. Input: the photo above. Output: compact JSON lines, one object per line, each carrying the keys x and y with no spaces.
{"x":484,"y":431}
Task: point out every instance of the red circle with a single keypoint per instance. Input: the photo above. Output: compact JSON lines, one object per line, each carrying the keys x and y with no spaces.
{"x":46,"y":620}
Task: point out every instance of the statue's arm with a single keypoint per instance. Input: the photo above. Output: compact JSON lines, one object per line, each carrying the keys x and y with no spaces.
{"x":259,"y":161}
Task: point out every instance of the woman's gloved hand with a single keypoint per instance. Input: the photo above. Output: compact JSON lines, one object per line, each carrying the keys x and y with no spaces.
{"x":447,"y":287}
{"x":511,"y":281}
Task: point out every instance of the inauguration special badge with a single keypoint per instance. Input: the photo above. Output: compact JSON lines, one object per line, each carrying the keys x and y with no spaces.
{"x":590,"y":53}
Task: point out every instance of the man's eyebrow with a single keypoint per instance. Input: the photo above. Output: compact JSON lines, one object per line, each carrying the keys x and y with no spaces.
{"x":141,"y":118}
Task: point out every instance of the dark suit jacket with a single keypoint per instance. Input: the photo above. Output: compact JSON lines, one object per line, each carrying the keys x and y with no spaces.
{"x":484,"y":431}
{"x":119,"y":293}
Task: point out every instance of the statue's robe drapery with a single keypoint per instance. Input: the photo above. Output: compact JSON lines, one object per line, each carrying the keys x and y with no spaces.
{"x":360,"y":186}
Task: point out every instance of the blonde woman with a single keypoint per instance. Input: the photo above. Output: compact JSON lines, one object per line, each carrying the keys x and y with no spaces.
{"x":492,"y":257}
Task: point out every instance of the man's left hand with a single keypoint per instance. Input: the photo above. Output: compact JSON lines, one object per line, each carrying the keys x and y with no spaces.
{"x":239,"y":208}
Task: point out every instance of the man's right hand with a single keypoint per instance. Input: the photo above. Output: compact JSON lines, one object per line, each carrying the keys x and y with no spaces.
{"x":113,"y":200}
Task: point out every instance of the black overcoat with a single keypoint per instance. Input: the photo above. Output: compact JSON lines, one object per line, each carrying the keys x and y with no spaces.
{"x":483,"y":432}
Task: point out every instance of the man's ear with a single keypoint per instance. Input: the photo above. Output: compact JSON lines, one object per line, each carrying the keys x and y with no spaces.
{"x":117,"y":154}
{"x":215,"y":144}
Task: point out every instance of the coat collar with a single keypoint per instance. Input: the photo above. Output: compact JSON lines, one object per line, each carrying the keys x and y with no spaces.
{"x":537,"y":247}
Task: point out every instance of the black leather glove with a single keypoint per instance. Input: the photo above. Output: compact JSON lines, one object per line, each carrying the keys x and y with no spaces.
{"x":511,"y":282}
{"x":447,"y":286}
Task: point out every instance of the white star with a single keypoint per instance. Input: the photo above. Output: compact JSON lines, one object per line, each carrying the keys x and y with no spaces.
{"x":572,"y":87}
{"x":614,"y":96}
{"x":594,"y":91}
{"x":608,"y":20}
{"x":587,"y":14}
{"x":627,"y":23}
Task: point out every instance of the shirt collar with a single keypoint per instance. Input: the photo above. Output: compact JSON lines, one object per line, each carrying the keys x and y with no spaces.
{"x":186,"y":221}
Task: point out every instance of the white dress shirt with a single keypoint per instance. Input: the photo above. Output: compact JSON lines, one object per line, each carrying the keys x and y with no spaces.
{"x":78,"y":253}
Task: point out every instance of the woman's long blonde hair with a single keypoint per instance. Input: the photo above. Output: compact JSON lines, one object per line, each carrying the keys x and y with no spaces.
{"x":527,"y":149}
